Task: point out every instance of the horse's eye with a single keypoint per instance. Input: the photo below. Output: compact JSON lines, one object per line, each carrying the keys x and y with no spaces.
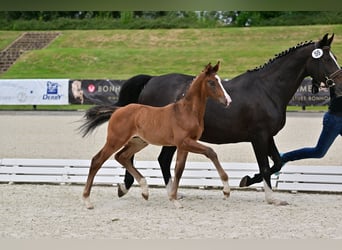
{"x":211,"y":83}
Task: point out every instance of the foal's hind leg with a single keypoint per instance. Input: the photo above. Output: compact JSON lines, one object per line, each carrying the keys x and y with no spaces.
{"x":196,"y":147}
{"x":124,"y":157}
{"x":96,"y":164}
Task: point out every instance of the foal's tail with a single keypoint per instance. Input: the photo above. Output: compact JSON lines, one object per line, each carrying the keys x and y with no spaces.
{"x":95,"y":117}
{"x":100,"y":114}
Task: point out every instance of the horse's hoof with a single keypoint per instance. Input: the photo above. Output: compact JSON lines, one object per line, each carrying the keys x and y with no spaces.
{"x":177,"y":204}
{"x":122,"y":190}
{"x":281,"y":203}
{"x":226,"y":194}
{"x":90,"y":207}
{"x":88,"y":204}
{"x":226,"y":191}
{"x":168,"y":189}
{"x":277,"y":202}
{"x":145,"y":196}
{"x":244,"y":181}
{"x":180,"y":196}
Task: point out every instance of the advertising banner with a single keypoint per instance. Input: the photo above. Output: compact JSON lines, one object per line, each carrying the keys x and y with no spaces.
{"x":34,"y":92}
{"x":66,"y":91}
{"x":304,"y":96}
{"x":94,"y":91}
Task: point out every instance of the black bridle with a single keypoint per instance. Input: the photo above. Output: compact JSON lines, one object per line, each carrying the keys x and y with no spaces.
{"x":329,"y":80}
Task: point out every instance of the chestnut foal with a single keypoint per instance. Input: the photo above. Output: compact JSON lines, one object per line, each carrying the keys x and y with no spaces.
{"x":178,"y":124}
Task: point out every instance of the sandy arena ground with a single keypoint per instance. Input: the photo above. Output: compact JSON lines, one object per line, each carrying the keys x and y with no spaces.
{"x":56,"y":211}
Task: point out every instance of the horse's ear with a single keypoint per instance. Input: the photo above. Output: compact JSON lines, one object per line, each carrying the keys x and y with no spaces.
{"x":216,"y":67}
{"x":323,"y":42}
{"x":208,"y":68}
{"x":330,"y":40}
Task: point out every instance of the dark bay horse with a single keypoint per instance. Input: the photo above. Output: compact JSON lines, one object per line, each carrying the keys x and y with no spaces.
{"x":258,"y":110}
{"x":178,"y":124}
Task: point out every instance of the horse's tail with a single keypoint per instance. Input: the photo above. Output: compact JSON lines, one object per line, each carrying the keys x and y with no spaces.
{"x":131,"y":90}
{"x":100,"y":114}
{"x":96,"y":116}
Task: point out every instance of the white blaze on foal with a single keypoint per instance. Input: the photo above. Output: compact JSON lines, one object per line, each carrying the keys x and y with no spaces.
{"x":228,"y":99}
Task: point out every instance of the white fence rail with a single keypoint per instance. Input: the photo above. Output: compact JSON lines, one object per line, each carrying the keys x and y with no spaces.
{"x":196,"y":174}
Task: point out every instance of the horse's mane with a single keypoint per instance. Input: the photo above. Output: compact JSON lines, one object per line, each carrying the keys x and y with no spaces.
{"x":285,"y":52}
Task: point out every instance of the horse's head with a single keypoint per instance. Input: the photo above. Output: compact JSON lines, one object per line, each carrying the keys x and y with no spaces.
{"x":214,"y":87}
{"x":322,"y":63}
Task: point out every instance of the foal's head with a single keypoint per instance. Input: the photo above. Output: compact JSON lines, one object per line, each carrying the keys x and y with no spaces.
{"x":213,"y":85}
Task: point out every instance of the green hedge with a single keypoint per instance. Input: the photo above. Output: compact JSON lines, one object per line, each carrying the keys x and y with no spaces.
{"x":97,"y":23}
{"x":171,"y":21}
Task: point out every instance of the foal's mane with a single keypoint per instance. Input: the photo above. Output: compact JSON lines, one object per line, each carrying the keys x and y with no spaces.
{"x":285,"y":52}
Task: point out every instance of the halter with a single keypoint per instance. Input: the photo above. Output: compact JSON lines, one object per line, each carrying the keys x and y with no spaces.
{"x":330,"y":81}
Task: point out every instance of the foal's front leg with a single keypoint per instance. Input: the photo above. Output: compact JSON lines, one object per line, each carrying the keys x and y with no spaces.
{"x":193,"y":146}
{"x":179,"y":168}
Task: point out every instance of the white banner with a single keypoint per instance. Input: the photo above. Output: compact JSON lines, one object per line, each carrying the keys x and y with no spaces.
{"x":34,"y":91}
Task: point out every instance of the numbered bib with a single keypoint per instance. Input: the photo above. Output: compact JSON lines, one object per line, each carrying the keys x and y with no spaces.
{"x":317,"y":53}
